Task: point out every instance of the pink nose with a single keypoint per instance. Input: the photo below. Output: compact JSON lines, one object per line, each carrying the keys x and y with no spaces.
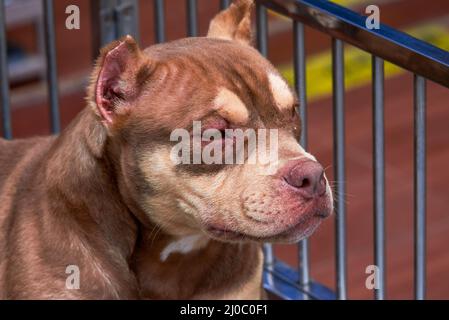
{"x":307,"y":177}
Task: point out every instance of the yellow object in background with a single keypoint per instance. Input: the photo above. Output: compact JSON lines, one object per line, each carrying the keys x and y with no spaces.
{"x":357,"y":63}
{"x":350,"y":3}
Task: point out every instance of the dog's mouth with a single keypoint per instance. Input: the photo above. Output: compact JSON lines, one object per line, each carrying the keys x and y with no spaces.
{"x":302,"y":229}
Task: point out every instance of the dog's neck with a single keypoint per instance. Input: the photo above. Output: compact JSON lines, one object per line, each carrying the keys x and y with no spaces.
{"x":80,"y":180}
{"x":78,"y":171}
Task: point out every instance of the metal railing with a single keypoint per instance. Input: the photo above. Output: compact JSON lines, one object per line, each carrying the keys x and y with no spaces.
{"x":114,"y":18}
{"x":385,"y":43}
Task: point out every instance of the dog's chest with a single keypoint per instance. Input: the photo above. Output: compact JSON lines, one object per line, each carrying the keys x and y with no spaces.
{"x":214,"y":271}
{"x":247,"y":290}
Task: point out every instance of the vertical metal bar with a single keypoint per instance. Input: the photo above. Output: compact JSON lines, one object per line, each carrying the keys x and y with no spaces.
{"x":108,"y":30}
{"x":420,"y":187}
{"x":262,"y":29}
{"x":300,"y":77}
{"x":52,"y":73}
{"x":126,"y":16}
{"x":300,"y":86}
{"x":159,"y":15}
{"x":379,"y":174}
{"x":192,"y":18}
{"x":339,"y":163}
{"x":95,"y":29}
{"x":224,"y":4}
{"x":4,"y":82}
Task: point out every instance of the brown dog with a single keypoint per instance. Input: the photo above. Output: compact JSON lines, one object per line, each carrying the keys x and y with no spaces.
{"x":106,"y":197}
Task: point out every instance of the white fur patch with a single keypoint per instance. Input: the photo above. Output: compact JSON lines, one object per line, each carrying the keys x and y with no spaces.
{"x":281,"y":92}
{"x":231,"y":107}
{"x":184,"y":245}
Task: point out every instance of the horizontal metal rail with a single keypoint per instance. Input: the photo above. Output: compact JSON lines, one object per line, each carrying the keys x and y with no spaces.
{"x":387,"y":43}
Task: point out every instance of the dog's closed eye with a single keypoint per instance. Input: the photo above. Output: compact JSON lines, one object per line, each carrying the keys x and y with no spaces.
{"x":218,"y":124}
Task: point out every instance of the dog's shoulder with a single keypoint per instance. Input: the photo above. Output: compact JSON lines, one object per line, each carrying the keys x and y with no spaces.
{"x":20,"y":153}
{"x":19,"y":161}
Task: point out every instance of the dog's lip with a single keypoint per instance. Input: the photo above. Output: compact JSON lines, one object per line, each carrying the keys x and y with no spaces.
{"x":231,"y":235}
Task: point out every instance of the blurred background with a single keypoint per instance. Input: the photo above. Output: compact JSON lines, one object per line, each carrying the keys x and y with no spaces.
{"x":426,"y":20}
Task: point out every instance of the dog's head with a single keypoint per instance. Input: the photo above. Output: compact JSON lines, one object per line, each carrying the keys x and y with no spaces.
{"x":172,"y":114}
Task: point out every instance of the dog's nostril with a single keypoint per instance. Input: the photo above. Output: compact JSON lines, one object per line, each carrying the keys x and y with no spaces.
{"x":308,"y":178}
{"x":304,"y":183}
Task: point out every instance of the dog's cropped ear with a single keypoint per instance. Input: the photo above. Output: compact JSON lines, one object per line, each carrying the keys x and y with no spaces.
{"x":233,"y":23}
{"x":118,"y":77}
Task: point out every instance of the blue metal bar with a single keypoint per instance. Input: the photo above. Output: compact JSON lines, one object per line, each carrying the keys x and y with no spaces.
{"x":339,"y":164}
{"x":379,"y":174}
{"x":387,"y":43}
{"x":262,"y":29}
{"x":300,"y":86}
{"x":224,"y":4}
{"x":52,"y":73}
{"x":4,"y":83}
{"x":105,"y":21}
{"x":126,"y":18}
{"x":159,"y":18}
{"x":282,"y":281}
{"x":300,"y":77}
{"x":113,"y":19}
{"x":192,"y":18}
{"x":420,"y":187}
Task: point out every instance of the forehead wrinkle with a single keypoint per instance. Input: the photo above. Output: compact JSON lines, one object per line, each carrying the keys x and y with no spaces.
{"x":230,"y":106}
{"x":183,"y":75}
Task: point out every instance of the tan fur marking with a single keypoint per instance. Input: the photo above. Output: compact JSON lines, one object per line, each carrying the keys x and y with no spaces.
{"x":230,"y":107}
{"x":281,"y":92}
